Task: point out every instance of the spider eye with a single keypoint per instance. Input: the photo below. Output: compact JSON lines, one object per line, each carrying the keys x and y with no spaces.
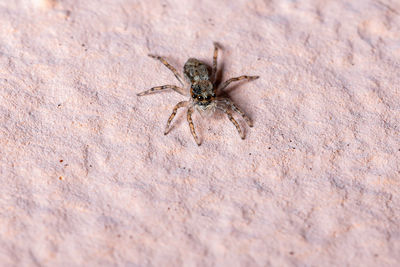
{"x":200,"y":98}
{"x":208,"y":97}
{"x":194,"y":96}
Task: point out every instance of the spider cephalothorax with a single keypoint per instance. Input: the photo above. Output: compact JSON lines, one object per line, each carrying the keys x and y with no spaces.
{"x":203,"y":92}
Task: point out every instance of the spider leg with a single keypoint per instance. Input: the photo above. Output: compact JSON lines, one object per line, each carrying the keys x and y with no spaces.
{"x":171,"y":68}
{"x":190,"y":121}
{"x":177,"y":106}
{"x":243,"y":77}
{"x":229,"y":114}
{"x":214,"y":66}
{"x":160,"y":88}
{"x":235,"y":108}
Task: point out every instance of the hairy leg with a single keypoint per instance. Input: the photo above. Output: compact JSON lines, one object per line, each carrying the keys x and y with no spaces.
{"x":229,"y":114}
{"x":214,"y":66}
{"x":171,"y":68}
{"x":190,"y":121}
{"x":243,"y":77}
{"x":177,"y":106}
{"x":235,"y":108}
{"x":161,"y":88}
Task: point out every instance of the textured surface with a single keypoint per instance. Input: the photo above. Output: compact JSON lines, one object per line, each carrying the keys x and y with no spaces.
{"x":87,"y":176}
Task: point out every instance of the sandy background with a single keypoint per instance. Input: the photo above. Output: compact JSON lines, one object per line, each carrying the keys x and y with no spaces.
{"x":88,"y":177}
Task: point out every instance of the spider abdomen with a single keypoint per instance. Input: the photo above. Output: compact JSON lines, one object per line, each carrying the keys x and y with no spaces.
{"x":195,"y":70}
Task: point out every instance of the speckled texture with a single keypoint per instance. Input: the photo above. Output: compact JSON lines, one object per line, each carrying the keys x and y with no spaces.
{"x":88,"y":177}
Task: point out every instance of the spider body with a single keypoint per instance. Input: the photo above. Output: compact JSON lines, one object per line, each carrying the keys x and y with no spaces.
{"x":200,"y":80}
{"x":202,"y":90}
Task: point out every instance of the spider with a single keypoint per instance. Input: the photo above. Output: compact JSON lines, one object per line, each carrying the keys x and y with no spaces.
{"x":203,"y":91}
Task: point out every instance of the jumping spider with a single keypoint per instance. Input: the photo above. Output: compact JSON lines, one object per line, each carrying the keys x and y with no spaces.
{"x":203,"y":91}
